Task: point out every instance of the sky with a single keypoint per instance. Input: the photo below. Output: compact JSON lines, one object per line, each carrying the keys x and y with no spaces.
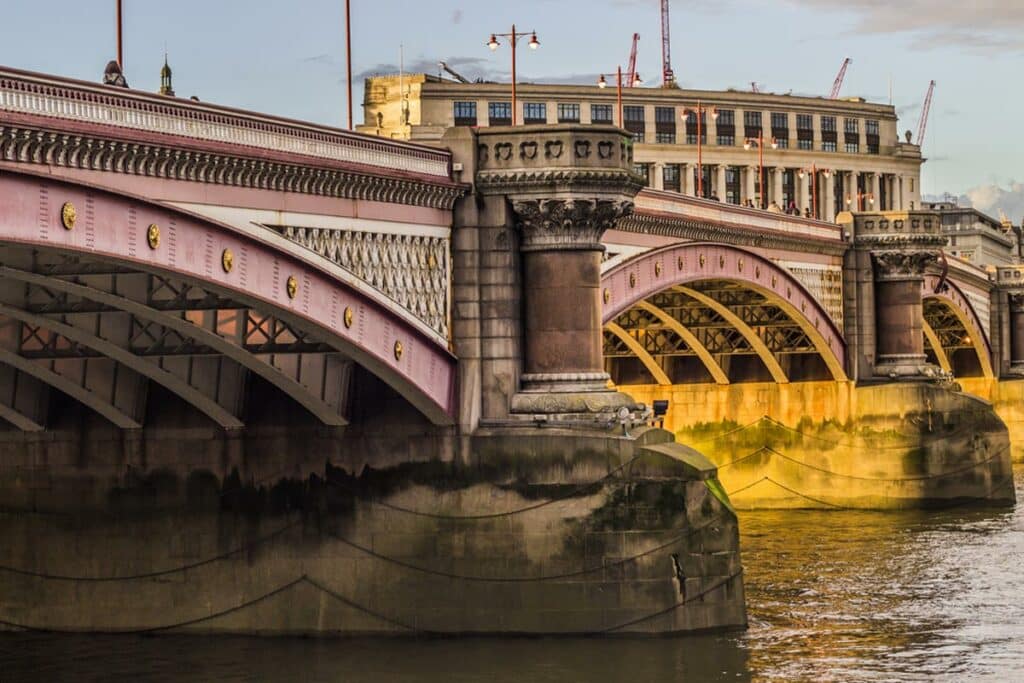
{"x":287,"y":58}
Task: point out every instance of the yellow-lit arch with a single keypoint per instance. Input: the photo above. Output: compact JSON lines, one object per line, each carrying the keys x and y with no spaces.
{"x":976,"y":336}
{"x":638,"y":349}
{"x":755,"y":342}
{"x":691,"y":340}
{"x":940,"y":353}
{"x":834,"y":365}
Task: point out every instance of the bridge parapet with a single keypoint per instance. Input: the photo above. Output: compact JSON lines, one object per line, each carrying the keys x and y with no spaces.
{"x":31,"y":94}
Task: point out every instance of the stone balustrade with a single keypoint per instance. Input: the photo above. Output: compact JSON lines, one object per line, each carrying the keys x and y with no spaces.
{"x":58,"y":98}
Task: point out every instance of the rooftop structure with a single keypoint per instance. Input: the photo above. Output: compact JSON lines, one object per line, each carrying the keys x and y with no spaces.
{"x":821,"y":156}
{"x":977,"y":237}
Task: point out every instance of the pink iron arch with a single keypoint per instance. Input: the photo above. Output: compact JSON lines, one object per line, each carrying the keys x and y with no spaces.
{"x":266,"y":271}
{"x":639,"y":278}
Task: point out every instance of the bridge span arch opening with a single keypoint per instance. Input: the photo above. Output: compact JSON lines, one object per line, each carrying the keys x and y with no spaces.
{"x":955,"y":337}
{"x":103,"y":293}
{"x":713,"y":313}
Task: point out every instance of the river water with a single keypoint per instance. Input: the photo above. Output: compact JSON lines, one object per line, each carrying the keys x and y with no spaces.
{"x":832,"y":596}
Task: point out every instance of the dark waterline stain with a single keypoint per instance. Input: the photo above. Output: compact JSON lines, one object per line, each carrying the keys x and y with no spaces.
{"x":832,"y":596}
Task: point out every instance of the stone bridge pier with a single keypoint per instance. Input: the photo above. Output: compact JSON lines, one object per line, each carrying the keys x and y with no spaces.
{"x":891,"y":253}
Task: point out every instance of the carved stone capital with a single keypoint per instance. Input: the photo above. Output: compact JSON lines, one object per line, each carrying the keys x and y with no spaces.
{"x":555,"y":224}
{"x":902,"y":265}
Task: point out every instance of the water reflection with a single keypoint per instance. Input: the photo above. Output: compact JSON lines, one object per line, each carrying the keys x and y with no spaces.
{"x":833,"y":596}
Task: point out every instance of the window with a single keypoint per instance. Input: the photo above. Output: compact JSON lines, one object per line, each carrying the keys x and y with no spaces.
{"x":568,"y":113}
{"x":828,"y":123}
{"x":804,"y":131}
{"x":871,"y":129}
{"x":643,"y":170}
{"x":780,"y":120}
{"x":499,"y":113}
{"x":535,"y":112}
{"x":465,"y":113}
{"x":782,"y":143}
{"x":752,"y":119}
{"x":732,"y":184}
{"x":851,"y":126}
{"x":829,"y":136}
{"x":600,"y":113}
{"x":726,"y":128}
{"x":634,"y":121}
{"x":670,"y":177}
{"x":828,"y":145}
{"x":665,"y":125}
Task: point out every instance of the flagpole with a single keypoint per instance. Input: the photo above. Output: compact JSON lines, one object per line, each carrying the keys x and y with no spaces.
{"x":120,"y":43}
{"x":348,"y":57}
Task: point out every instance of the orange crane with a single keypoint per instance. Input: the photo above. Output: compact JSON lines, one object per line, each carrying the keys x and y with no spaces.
{"x":838,"y":84}
{"x":631,"y":70}
{"x":668,"y":78}
{"x":922,"y":126}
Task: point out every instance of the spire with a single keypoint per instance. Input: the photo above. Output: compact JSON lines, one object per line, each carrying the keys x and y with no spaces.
{"x":165,"y":79}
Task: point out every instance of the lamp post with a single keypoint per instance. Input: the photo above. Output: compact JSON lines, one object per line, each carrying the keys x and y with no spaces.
{"x":861,"y":196}
{"x":699,"y":112}
{"x":759,"y":141}
{"x":813,"y":170}
{"x":513,"y":39}
{"x":602,"y":83}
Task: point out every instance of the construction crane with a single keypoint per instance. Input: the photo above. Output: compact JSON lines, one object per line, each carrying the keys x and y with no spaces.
{"x":838,"y":84}
{"x":455,"y":74}
{"x":668,"y":79}
{"x":631,"y":70}
{"x":922,"y":126}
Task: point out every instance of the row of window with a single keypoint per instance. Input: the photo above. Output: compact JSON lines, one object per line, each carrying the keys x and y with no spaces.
{"x":570,"y":113}
{"x":500,"y":114}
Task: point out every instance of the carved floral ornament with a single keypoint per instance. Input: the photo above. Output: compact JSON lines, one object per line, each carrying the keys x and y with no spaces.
{"x":567,"y":223}
{"x":902,"y":265}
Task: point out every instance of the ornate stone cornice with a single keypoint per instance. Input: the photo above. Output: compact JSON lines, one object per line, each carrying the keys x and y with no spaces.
{"x":900,"y":264}
{"x":559,"y":180}
{"x":92,"y":152}
{"x":701,"y":231}
{"x":548,"y":224}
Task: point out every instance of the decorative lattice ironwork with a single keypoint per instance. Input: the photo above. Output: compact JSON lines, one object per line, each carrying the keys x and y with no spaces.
{"x":412,"y":270}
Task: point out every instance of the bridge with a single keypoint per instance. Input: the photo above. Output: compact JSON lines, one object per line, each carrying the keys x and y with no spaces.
{"x":203,"y":296}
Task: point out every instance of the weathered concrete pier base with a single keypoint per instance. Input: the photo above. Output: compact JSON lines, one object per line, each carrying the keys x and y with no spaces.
{"x":289,"y":529}
{"x":836,"y":445}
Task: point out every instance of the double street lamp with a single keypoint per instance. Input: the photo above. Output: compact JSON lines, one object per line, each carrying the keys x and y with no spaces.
{"x":813,"y":170}
{"x":699,"y":111}
{"x":513,"y":40}
{"x":602,"y":83}
{"x":861,"y":198}
{"x":759,"y":141}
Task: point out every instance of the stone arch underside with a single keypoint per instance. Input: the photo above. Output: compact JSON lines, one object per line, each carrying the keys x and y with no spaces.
{"x":955,"y":338}
{"x":715,"y":313}
{"x":99,"y":310}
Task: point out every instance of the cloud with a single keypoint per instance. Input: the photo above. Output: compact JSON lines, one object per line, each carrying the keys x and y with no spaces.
{"x":457,"y":16}
{"x":992,"y":199}
{"x":979,"y":27}
{"x":470,"y":67}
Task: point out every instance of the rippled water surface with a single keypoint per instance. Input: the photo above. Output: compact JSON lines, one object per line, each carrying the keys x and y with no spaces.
{"x":832,"y":596}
